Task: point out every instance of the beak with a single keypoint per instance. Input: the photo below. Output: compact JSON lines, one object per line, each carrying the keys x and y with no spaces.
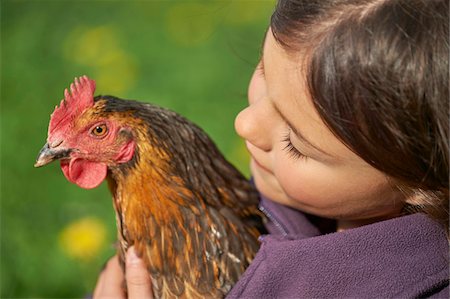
{"x":47,"y":155}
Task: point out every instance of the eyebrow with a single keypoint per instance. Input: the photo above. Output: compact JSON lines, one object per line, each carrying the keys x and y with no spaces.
{"x":300,"y":136}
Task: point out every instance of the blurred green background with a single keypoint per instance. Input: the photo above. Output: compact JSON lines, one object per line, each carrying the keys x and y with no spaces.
{"x":194,"y":57}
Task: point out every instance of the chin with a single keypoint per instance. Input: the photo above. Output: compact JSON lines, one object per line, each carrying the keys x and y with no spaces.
{"x":269,"y":188}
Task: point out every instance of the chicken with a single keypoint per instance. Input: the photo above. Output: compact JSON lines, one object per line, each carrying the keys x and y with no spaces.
{"x":192,"y":217}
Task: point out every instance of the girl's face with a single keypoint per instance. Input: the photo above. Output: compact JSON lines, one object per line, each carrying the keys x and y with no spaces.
{"x":296,"y":160}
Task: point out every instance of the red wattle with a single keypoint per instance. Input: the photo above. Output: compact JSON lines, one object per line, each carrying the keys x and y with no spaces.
{"x":84,"y":173}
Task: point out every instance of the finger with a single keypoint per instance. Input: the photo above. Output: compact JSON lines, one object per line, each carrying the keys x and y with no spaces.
{"x":98,"y":286}
{"x":100,"y":280}
{"x":138,"y":279}
{"x":110,"y":281}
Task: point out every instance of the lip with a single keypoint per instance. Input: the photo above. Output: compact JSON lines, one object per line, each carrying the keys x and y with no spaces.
{"x":260,"y":166}
{"x":253,"y":159}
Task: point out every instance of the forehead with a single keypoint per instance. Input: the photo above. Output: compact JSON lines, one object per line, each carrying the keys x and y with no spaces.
{"x":288,"y":91}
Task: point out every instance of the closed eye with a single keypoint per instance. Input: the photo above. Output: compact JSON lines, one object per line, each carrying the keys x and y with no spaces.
{"x":290,"y":148}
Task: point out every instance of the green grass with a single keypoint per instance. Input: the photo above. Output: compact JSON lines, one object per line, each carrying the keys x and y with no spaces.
{"x":194,"y":57}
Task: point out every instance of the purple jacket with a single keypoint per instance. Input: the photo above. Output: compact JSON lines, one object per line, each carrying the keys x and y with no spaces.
{"x":403,"y":257}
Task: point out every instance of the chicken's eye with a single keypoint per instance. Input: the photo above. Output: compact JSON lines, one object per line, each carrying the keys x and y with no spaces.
{"x":99,"y":130}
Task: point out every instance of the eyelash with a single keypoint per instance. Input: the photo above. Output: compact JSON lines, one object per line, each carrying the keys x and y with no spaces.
{"x":289,"y":147}
{"x":260,"y":68}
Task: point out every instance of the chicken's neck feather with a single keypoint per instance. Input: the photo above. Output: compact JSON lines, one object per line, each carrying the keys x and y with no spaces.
{"x":147,"y":189}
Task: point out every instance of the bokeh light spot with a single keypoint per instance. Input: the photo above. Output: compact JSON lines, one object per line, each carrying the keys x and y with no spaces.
{"x":91,"y":46}
{"x":99,"y":49}
{"x":241,"y":12}
{"x":190,"y":24}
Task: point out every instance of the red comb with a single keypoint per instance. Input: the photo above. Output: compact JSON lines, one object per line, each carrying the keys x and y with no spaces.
{"x":81,"y":96}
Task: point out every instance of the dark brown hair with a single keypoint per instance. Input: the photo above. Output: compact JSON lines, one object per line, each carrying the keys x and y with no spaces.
{"x":378,"y":75}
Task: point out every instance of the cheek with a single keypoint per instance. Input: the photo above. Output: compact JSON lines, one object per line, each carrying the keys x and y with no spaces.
{"x":334,"y":191}
{"x":310,"y":185}
{"x":298,"y":180}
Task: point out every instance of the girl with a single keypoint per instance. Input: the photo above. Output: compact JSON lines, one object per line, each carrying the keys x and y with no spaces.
{"x":347,"y":127}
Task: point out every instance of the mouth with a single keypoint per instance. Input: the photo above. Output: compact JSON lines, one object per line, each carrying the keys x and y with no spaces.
{"x":260,"y":166}
{"x":254,"y":160}
{"x":47,"y":155}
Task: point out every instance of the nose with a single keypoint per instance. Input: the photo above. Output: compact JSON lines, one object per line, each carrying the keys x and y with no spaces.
{"x":253,"y":125}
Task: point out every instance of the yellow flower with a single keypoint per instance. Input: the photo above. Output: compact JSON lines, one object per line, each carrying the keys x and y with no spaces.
{"x":83,"y":239}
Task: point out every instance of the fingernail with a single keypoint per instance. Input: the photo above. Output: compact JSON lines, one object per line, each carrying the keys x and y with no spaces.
{"x":132,"y":257}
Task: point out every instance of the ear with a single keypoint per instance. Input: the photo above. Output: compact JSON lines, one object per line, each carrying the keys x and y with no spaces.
{"x":126,"y":152}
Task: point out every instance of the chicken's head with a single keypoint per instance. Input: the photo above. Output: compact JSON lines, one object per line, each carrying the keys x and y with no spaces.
{"x":84,"y":138}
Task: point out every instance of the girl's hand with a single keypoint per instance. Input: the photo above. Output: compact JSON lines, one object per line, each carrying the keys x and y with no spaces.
{"x":109,"y":284}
